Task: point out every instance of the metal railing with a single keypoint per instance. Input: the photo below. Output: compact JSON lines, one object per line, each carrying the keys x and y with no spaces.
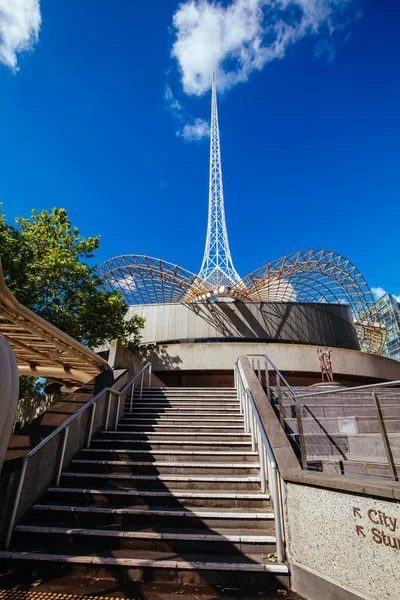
{"x":269,"y":475}
{"x":65,"y":427}
{"x":282,"y":396}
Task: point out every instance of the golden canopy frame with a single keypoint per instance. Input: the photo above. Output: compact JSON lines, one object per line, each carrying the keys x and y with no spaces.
{"x":305,"y":276}
{"x":41,"y":349}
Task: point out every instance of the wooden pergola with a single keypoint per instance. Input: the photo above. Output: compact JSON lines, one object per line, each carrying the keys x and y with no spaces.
{"x":41,"y":349}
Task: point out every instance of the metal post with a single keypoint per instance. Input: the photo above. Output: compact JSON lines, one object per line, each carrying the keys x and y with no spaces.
{"x":240,"y":392}
{"x":279,"y":391}
{"x":255,"y":426}
{"x":16,"y":504}
{"x":258,"y":369}
{"x":132,"y":392}
{"x":303,"y":449}
{"x":277,"y":514}
{"x":89,"y":439}
{"x":252,"y":428}
{"x":267,"y":466}
{"x":267,"y":380}
{"x":262,"y":463}
{"x":385,"y":436}
{"x":117,"y":415}
{"x":63,"y":448}
{"x":246,"y":412}
{"x":141,"y":385}
{"x":149,"y":376}
{"x":235,"y":377}
{"x":108,"y":410}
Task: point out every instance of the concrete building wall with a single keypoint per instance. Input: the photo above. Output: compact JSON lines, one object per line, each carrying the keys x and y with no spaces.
{"x":306,"y":323}
{"x":348,"y":365}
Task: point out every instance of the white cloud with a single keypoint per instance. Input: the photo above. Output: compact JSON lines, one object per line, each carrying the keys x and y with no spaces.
{"x":197,"y":131}
{"x":378,"y":292}
{"x":191,"y":130}
{"x":243,"y":36}
{"x":127,"y":283}
{"x":19,"y":28}
{"x":172,"y":102}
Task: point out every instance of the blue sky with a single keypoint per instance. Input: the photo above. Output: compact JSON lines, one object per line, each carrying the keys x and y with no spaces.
{"x":310,"y":125}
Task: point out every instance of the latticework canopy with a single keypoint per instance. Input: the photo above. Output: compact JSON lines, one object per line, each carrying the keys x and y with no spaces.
{"x":307,"y":276}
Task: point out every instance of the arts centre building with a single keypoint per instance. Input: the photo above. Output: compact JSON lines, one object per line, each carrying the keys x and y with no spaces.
{"x":209,"y":463}
{"x":196,"y":325}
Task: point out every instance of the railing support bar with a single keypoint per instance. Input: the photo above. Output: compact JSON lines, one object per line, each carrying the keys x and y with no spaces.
{"x":277,"y":513}
{"x":108,"y":410}
{"x":280,"y":404}
{"x":149,"y":376}
{"x":141,"y":385}
{"x":267,"y":380}
{"x":385,"y":437}
{"x":252,"y":430}
{"x":62,"y":457}
{"x":89,"y":439}
{"x":117,"y":413}
{"x":16,"y":504}
{"x":260,"y":448}
{"x":300,"y":431}
{"x":132,"y":392}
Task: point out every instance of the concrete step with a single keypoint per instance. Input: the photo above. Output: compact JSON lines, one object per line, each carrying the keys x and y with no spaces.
{"x":165,"y":467}
{"x":184,"y":421}
{"x":343,"y":410}
{"x":177,"y":414}
{"x":344,"y":425}
{"x":217,"y":392}
{"x":152,"y":436}
{"x":195,"y":426}
{"x":183,"y":499}
{"x":203,"y":518}
{"x":323,"y":444}
{"x":223,"y":570}
{"x":169,"y":455}
{"x":127,"y":442}
{"x":148,"y":409}
{"x":162,"y":482}
{"x":110,"y":538}
{"x":190,"y":401}
{"x":372,"y":444}
{"x":353,"y":466}
{"x":204,"y":406}
{"x":186,"y":390}
{"x":349,"y":444}
{"x":344,"y":399}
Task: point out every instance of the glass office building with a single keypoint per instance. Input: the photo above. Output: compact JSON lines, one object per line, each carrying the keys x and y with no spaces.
{"x":389,"y":312}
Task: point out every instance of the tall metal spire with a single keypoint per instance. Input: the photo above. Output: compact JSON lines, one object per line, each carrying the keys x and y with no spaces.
{"x":217,"y":267}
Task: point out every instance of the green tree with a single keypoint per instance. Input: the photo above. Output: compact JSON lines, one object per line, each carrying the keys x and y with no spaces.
{"x":45,"y":264}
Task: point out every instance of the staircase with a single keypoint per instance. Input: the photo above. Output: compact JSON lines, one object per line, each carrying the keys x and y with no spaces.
{"x":342,"y":432}
{"x":172,"y":495}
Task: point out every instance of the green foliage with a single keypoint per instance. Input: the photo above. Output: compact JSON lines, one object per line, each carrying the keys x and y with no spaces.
{"x":31,"y":388}
{"x":44,"y":260}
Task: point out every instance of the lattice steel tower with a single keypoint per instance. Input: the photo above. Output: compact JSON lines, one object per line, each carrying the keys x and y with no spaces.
{"x":217,"y":268}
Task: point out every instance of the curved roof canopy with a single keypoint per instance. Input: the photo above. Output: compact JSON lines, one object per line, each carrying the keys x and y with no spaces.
{"x":307,"y":276}
{"x":41,"y":349}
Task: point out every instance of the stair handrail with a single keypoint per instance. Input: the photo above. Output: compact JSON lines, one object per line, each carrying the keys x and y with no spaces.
{"x":352,"y":389}
{"x":65,"y":428}
{"x":268,"y":466}
{"x":298,"y":407}
{"x":335,"y":391}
